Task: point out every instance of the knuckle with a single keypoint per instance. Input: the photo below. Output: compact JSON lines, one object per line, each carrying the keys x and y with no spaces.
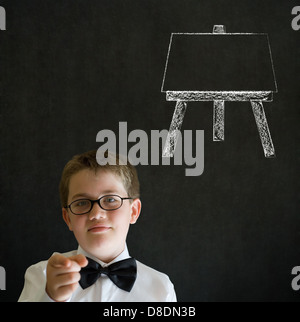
{"x":73,"y":277}
{"x":75,"y":267}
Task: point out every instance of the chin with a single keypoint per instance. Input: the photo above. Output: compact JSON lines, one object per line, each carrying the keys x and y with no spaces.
{"x":100,"y":242}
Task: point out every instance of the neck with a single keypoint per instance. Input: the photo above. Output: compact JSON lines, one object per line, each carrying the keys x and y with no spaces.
{"x":104,"y":258}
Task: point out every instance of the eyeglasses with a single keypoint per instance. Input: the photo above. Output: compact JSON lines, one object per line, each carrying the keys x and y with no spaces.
{"x":84,"y":206}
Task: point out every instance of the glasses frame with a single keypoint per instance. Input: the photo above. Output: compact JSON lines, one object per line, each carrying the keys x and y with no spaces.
{"x":98,"y":201}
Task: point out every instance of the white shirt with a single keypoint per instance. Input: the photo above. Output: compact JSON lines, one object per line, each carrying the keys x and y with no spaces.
{"x":150,"y":285}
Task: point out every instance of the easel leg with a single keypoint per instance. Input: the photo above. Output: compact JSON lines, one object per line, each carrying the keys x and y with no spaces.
{"x":218,"y":121}
{"x":263,"y":128}
{"x":175,"y":127}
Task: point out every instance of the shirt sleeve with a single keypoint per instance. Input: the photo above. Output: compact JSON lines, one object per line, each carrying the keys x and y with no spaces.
{"x":172,"y":296}
{"x":34,"y":285}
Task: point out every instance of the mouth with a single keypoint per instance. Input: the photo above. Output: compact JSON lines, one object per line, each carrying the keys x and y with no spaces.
{"x":99,"y":229}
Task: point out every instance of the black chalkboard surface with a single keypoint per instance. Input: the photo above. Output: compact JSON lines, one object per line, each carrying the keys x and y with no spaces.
{"x":69,"y":69}
{"x":219,"y":62}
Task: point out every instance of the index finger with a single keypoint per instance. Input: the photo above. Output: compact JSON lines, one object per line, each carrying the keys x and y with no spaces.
{"x":58,"y":260}
{"x":80,"y":259}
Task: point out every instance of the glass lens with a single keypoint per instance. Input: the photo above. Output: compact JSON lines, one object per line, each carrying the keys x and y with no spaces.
{"x":111,"y":202}
{"x":80,"y":206}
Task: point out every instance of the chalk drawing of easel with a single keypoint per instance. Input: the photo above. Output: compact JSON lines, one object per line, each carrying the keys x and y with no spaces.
{"x":219,"y":67}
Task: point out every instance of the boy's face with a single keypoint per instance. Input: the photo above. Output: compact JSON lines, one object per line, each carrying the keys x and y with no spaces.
{"x":101,"y":233}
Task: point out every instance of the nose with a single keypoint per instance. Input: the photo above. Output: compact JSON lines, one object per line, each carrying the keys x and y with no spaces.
{"x":97,"y":212}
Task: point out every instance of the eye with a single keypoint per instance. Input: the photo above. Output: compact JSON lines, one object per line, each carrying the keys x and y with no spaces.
{"x":81,"y":203}
{"x":110,"y":199}
{"x":111,"y":202}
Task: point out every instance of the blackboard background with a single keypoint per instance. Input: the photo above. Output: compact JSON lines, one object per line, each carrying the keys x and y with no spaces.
{"x":72,"y":68}
{"x":219,"y":62}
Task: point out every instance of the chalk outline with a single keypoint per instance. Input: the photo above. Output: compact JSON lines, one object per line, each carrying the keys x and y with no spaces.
{"x":219,"y":97}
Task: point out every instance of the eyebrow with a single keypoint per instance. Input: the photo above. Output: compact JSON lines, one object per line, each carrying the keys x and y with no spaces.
{"x":85,"y":195}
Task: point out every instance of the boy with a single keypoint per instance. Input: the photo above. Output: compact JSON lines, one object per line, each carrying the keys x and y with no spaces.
{"x":99,"y":202}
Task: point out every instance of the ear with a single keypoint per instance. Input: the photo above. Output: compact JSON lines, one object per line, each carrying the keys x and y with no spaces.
{"x":66,"y":218}
{"x":136,"y":207}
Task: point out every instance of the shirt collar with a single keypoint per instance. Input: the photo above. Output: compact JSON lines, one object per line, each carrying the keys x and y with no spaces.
{"x":123,"y":255}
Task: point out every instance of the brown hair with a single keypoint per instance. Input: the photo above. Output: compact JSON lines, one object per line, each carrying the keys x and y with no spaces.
{"x":126,"y":172}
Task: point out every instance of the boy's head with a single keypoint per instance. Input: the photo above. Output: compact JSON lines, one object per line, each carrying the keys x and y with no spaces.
{"x":100,"y":227}
{"x":127,"y":173}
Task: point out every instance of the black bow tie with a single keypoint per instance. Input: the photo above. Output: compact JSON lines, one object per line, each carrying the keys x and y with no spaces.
{"x":122,"y":273}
